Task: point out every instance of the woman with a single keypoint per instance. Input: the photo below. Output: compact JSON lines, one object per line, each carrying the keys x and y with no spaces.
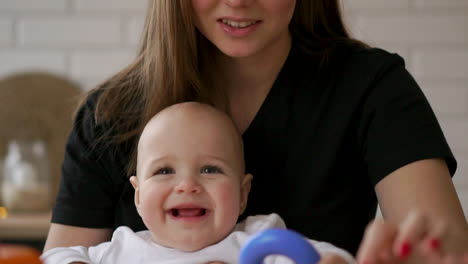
{"x":329,"y":126}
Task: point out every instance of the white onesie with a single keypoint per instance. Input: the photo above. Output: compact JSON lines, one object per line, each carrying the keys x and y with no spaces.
{"x":127,"y":246}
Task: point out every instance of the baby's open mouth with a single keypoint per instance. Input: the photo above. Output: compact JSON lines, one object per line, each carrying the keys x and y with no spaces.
{"x":187,"y":212}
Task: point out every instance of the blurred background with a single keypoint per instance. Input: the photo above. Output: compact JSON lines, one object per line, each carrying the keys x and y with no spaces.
{"x":53,"y":50}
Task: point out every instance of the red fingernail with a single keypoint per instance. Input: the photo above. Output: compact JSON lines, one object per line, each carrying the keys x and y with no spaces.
{"x":435,"y":244}
{"x":405,"y":250}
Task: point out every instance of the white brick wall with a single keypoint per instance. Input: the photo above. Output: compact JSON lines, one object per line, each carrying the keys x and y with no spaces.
{"x":6,"y":29}
{"x":419,"y":29}
{"x":110,"y":6}
{"x":98,"y":64}
{"x":447,"y":98}
{"x":32,"y":6}
{"x":68,"y":31}
{"x":14,"y":60}
{"x":87,"y":40}
{"x":83,"y":40}
{"x":441,"y":5}
{"x":441,"y":63}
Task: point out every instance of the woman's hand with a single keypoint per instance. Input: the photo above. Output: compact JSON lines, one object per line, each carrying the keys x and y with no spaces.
{"x":418,"y":239}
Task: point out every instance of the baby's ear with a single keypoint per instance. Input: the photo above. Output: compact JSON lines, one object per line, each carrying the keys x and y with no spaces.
{"x":134,"y":182}
{"x":245,"y":189}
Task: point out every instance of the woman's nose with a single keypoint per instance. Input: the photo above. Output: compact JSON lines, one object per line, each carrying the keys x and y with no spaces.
{"x":188,"y":185}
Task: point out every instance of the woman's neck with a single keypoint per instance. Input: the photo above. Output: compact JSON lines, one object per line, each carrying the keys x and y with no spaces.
{"x":255,"y":73}
{"x":248,"y":80}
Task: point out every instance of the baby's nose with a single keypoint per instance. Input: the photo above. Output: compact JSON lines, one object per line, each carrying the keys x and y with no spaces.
{"x":188,"y":185}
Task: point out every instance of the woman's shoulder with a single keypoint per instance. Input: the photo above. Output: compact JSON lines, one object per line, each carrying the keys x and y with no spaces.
{"x":362,"y":56}
{"x":363,"y":66}
{"x":347,"y":58}
{"x":89,"y":101}
{"x":87,"y":132}
{"x":87,"y":111}
{"x":84,"y":119}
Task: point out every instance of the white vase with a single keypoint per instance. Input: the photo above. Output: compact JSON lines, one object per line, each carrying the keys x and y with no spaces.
{"x":26,"y":183}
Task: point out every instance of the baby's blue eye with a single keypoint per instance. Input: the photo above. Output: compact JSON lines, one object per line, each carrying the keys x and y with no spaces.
{"x":165,"y":171}
{"x":211,"y":170}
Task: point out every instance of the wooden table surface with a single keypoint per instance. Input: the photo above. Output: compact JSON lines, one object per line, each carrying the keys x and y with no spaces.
{"x":25,"y":226}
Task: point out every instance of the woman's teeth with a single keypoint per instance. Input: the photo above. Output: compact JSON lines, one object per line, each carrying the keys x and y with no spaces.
{"x":238,"y":24}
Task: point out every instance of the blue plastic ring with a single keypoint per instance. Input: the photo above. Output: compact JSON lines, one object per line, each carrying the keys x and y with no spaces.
{"x":278,"y":242}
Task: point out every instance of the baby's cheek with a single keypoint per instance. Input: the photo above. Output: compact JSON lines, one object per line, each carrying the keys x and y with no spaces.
{"x":229,"y":199}
{"x":150,"y":205}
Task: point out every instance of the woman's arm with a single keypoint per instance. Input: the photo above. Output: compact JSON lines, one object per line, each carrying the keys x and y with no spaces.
{"x":425,"y":185}
{"x":422,"y":213}
{"x":67,"y":236}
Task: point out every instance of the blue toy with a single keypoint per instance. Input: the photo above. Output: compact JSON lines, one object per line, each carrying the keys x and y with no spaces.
{"x":278,"y":242}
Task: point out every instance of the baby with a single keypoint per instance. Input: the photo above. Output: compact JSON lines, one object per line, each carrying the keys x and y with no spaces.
{"x":190,"y":188}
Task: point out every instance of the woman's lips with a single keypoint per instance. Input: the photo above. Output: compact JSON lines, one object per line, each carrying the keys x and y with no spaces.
{"x":238,"y":27}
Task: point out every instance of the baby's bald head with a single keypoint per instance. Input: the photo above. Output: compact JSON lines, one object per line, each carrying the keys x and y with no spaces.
{"x":189,"y":117}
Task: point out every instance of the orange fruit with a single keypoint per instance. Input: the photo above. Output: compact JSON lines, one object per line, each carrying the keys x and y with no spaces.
{"x":19,"y":254}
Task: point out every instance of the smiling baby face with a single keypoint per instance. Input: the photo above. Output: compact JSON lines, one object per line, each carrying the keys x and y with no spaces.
{"x":190,"y":185}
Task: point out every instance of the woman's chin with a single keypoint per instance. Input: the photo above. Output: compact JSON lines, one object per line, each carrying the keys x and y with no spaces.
{"x":237,"y":52}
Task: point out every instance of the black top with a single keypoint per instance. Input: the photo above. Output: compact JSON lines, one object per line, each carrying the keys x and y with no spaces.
{"x":321,"y":141}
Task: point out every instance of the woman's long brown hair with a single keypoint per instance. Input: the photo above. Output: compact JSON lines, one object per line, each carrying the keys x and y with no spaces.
{"x":172,"y":65}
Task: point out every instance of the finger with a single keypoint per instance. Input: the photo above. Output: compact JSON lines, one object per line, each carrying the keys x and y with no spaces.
{"x":377,"y":242}
{"x":432,"y":245}
{"x":456,"y":259}
{"x":332,"y":259}
{"x":451,"y":260}
{"x":411,"y":233}
{"x":465,"y":258}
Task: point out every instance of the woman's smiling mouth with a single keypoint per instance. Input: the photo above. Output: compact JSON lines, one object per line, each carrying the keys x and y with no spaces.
{"x":239,"y":24}
{"x":238,"y":27}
